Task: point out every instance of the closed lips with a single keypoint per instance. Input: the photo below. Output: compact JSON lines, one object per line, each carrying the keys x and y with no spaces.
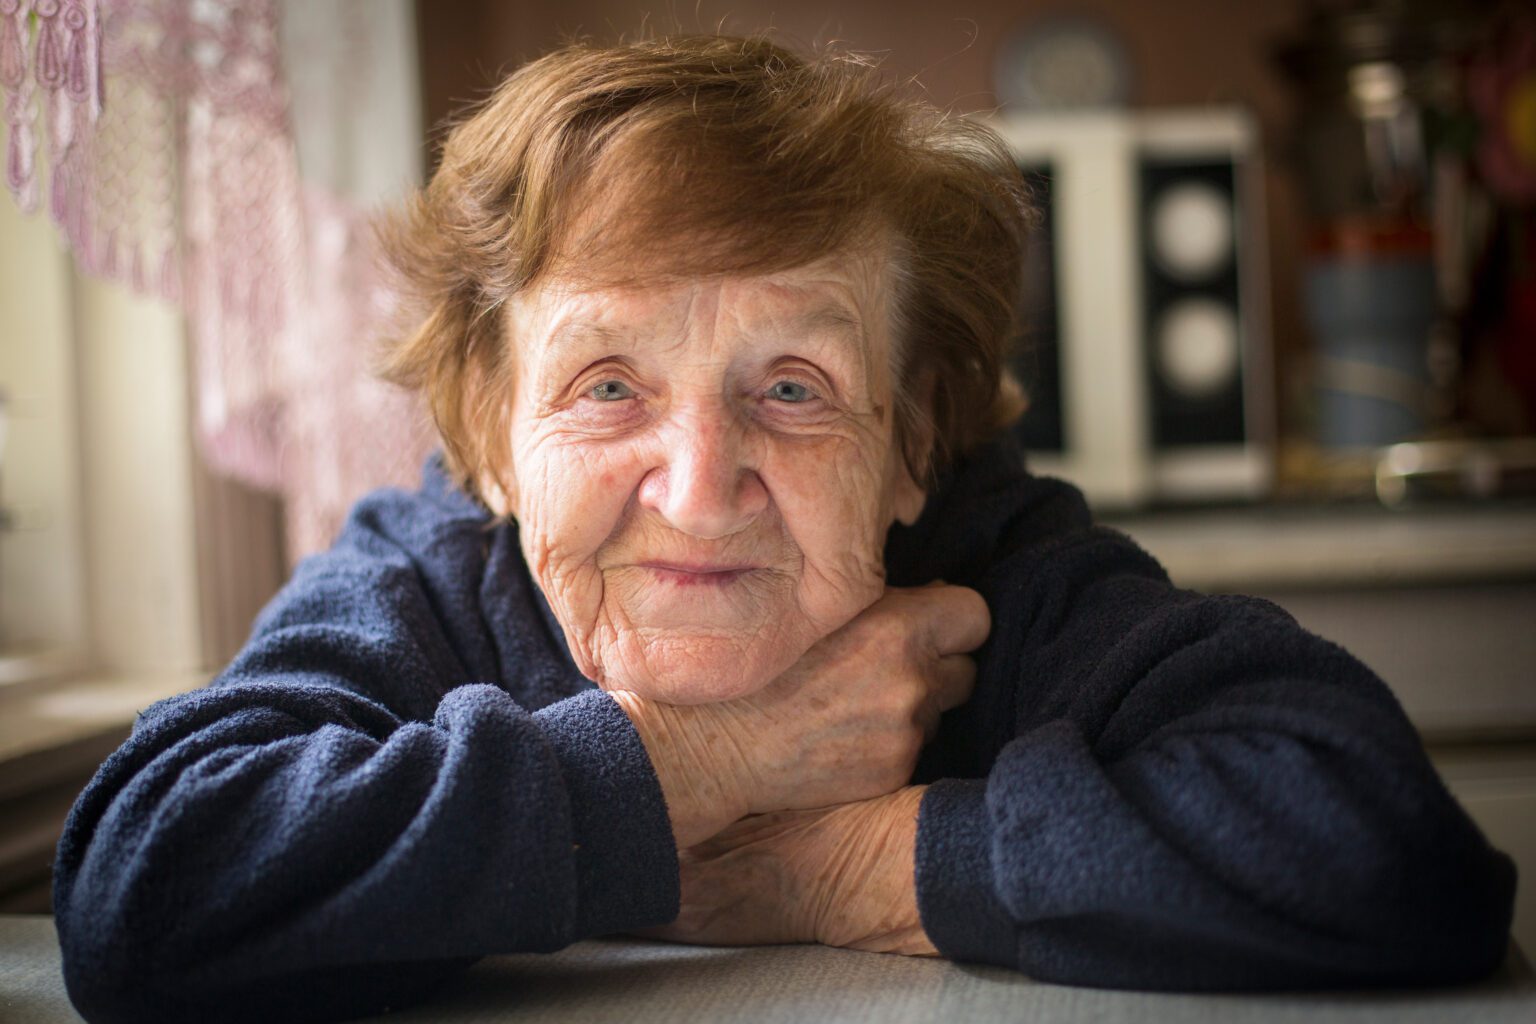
{"x":697,"y":573}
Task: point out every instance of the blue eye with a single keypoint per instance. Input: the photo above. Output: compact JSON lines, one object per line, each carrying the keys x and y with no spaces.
{"x":611,"y":391}
{"x":789,"y":391}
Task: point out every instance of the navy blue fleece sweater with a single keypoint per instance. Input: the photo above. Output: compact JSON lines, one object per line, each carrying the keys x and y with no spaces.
{"x":404,"y":770}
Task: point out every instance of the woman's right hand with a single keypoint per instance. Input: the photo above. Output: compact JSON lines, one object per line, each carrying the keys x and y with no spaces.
{"x":844,"y":723}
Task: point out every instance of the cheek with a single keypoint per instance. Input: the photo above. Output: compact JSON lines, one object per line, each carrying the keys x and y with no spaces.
{"x":570,"y":497}
{"x":834,"y":504}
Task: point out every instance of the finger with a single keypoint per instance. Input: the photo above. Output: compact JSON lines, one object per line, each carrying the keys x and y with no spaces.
{"x":953,"y":620}
{"x":953,"y":680}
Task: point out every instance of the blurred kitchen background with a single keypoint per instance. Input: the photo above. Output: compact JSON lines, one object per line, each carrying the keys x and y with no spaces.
{"x":1282,"y":321}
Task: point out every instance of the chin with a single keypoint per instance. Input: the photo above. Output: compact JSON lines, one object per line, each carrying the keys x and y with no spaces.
{"x":683,"y":669}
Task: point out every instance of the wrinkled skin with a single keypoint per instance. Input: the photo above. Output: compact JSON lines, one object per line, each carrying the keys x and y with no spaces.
{"x":845,"y":723}
{"x":840,"y":876}
{"x":703,"y":472}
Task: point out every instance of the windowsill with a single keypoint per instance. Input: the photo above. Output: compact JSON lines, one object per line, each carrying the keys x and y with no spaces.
{"x":23,"y":668}
{"x":49,"y":732}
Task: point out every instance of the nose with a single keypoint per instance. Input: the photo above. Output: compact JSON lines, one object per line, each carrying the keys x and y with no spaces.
{"x":703,"y":485}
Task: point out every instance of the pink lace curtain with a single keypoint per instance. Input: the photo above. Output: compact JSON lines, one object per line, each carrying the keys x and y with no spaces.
{"x":159,"y":134}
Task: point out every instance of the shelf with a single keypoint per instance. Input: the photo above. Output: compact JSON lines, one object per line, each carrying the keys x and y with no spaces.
{"x":1279,"y":547}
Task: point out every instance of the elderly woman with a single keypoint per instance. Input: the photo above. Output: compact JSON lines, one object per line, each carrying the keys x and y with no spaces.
{"x":727,"y":612}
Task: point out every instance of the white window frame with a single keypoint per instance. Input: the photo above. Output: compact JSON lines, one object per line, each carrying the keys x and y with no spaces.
{"x":126,"y":561}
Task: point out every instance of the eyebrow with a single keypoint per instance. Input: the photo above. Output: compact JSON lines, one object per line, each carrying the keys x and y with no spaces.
{"x":583,"y":330}
{"x":847,"y":328}
{"x":833,"y":317}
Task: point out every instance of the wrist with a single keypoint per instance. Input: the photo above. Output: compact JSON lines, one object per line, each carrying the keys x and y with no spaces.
{"x":700,"y":802}
{"x":874,"y":903}
{"x":909,"y":937}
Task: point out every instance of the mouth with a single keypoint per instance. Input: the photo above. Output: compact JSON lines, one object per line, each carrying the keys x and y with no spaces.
{"x":685,"y":575}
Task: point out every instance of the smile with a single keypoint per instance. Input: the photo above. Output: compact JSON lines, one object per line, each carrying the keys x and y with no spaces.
{"x":696,"y":575}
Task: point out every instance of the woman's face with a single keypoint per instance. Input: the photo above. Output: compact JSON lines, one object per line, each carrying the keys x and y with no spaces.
{"x":703,"y":473}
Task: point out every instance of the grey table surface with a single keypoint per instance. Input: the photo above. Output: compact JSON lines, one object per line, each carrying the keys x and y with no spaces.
{"x":638,"y":982}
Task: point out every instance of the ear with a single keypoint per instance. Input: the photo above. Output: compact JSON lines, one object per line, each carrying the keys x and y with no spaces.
{"x":495,"y":481}
{"x":487,"y":409}
{"x":910,"y":495}
{"x":494,"y":494}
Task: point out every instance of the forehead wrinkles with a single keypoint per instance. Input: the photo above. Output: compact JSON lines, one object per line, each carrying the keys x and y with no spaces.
{"x":555,"y":316}
{"x":844,"y":300}
{"x":656,"y":321}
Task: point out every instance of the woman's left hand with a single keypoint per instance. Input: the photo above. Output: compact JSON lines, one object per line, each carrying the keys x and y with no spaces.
{"x":841,"y":876}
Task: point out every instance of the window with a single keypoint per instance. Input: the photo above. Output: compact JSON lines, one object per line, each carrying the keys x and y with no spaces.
{"x":127,"y":572}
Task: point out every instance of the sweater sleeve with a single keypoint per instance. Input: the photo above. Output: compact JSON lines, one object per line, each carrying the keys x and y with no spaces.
{"x":343,"y":820}
{"x":1195,"y":793}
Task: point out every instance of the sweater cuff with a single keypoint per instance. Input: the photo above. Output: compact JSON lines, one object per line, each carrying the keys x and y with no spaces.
{"x":956,"y":894}
{"x":626,"y":863}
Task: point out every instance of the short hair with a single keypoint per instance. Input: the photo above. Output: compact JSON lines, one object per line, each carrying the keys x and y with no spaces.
{"x":722,"y":156}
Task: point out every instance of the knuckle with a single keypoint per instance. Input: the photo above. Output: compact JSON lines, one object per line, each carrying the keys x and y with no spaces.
{"x":906,"y":693}
{"x":865,"y":649}
{"x":914,"y":649}
{"x":887,"y":625}
{"x":977,"y":608}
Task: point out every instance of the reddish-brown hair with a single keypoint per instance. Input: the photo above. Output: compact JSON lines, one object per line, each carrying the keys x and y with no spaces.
{"x":720,"y":156}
